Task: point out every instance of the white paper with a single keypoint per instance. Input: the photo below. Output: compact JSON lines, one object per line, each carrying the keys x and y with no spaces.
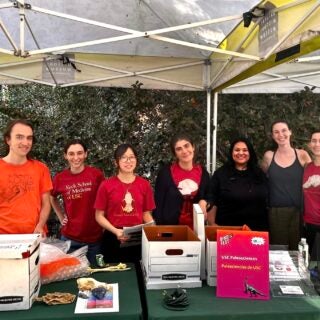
{"x":88,"y":305}
{"x":291,"y":290}
{"x":134,"y":233}
{"x":281,"y":266}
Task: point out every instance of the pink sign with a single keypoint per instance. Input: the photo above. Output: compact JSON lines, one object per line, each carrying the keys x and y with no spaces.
{"x":243,"y":264}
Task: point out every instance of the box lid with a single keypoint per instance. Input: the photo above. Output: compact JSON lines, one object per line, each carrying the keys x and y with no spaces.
{"x":18,"y":246}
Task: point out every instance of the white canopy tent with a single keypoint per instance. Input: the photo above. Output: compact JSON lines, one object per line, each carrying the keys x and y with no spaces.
{"x":289,"y":77}
{"x":173,"y":44}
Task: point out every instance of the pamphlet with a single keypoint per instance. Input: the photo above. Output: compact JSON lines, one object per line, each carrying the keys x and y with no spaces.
{"x":282,"y":266}
{"x":134,"y":234}
{"x":88,"y":303}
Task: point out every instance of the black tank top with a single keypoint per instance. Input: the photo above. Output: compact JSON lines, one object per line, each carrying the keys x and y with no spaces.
{"x":285,"y":184}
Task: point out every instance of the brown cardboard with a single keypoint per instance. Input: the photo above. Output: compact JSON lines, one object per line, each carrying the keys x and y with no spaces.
{"x":211,"y":250}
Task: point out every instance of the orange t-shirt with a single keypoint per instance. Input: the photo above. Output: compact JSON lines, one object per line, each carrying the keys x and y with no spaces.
{"x":21,"y":188}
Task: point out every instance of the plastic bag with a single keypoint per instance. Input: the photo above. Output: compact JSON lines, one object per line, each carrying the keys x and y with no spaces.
{"x":56,"y":265}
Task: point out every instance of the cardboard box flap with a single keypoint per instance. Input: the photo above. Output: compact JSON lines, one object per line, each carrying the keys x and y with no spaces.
{"x":211,"y":231}
{"x":18,"y":246}
{"x":170,"y":233}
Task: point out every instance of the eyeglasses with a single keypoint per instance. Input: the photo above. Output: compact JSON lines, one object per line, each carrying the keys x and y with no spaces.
{"x":126,"y":159}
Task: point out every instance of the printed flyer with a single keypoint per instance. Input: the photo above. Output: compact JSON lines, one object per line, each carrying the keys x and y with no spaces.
{"x":243,"y":264}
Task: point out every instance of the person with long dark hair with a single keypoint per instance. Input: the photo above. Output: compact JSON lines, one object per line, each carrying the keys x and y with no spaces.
{"x":284,"y":168}
{"x":239,"y":190}
{"x":311,"y":193}
{"x":180,"y":184}
{"x":123,"y":200}
{"x":77,"y":186}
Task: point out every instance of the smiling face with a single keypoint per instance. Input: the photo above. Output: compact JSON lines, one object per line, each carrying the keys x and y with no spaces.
{"x":281,"y":133}
{"x":127,"y":162}
{"x":184,"y":151}
{"x":20,"y":140}
{"x":76,"y":156}
{"x":240,"y":155}
{"x":314,"y":144}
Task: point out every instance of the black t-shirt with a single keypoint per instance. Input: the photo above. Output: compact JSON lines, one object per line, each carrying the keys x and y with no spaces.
{"x":240,"y":197}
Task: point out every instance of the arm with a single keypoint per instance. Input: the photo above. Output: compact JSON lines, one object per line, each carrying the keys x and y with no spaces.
{"x":203,"y":206}
{"x":104,"y":223}
{"x":304,"y":157}
{"x":44,"y":213}
{"x":160,"y":190}
{"x":266,"y":160}
{"x":147,"y":217}
{"x":212,"y":216}
{"x":204,"y":192}
{"x":214,"y":195}
{"x":58,"y":210}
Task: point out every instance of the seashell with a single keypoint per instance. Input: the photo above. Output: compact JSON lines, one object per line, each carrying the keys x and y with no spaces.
{"x":89,"y":284}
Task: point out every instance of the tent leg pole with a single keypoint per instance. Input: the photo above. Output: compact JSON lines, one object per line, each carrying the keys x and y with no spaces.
{"x":214,"y":132}
{"x":208,"y":130}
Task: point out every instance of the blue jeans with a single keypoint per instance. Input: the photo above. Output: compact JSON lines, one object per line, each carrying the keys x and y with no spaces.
{"x":93,"y":249}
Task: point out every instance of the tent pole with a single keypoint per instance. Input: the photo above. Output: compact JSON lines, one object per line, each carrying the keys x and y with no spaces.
{"x":21,"y":6}
{"x":208,"y":129}
{"x":214,"y":132}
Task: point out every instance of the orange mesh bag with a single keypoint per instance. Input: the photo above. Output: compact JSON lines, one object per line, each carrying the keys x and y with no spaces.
{"x":56,"y":265}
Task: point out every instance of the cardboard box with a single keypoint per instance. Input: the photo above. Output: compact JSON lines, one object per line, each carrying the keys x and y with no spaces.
{"x":171,"y":257}
{"x":198,"y":227}
{"x":211,"y":250}
{"x":19,"y":270}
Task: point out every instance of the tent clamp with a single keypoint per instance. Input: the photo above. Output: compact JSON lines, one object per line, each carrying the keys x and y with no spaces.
{"x":146,"y":35}
{"x":18,"y":5}
{"x":207,"y":62}
{"x":18,"y":53}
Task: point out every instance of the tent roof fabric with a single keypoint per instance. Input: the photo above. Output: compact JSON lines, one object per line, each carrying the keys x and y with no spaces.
{"x":172,"y":44}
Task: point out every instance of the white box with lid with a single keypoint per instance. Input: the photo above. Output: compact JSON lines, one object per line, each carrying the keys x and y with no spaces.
{"x":171,"y":257}
{"x":19,"y":270}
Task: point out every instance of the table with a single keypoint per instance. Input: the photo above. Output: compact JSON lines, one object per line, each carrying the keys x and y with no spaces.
{"x":129,"y":300}
{"x":205,"y":305}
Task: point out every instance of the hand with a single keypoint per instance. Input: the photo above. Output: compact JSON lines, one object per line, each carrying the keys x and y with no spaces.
{"x":64,"y":221}
{"x":203,"y":207}
{"x":120,"y":236}
{"x":40,"y":229}
{"x":213,"y":224}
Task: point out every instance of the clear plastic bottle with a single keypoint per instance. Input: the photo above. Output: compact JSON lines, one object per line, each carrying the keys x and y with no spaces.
{"x":306,"y":254}
{"x":303,"y":249}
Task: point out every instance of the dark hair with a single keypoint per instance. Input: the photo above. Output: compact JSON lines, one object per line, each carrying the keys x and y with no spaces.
{"x":121,"y":150}
{"x":253,"y":168}
{"x":74,"y":141}
{"x":279,"y":121}
{"x":8,"y":130}
{"x":253,"y":160}
{"x":313,"y":132}
{"x":177,"y":137}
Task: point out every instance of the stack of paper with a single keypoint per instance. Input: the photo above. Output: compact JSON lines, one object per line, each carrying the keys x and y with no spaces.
{"x":282,"y":267}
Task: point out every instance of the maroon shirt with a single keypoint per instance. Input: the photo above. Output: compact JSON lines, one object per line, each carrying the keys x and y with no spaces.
{"x":187,"y":181}
{"x":78,"y":192}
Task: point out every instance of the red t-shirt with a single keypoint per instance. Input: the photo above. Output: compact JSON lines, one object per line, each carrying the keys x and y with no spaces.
{"x":311,"y":193}
{"x":78,"y":192}
{"x":124,"y":203}
{"x":187,"y":181}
